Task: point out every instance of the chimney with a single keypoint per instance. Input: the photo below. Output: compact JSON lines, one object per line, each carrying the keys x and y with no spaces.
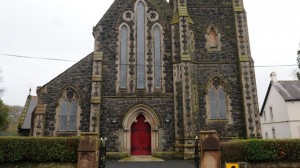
{"x":273,"y":77}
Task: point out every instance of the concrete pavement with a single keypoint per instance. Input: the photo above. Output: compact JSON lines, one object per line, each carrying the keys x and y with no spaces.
{"x":152,"y":164}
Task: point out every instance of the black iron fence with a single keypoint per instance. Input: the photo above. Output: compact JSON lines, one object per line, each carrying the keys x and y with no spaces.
{"x":197,"y":157}
{"x":102,"y":153}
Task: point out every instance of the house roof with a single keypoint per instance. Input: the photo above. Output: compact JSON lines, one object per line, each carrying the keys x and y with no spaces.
{"x":25,"y":120}
{"x":289,"y":91}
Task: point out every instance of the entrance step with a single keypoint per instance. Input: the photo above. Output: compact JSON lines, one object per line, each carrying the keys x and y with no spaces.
{"x":142,"y":158}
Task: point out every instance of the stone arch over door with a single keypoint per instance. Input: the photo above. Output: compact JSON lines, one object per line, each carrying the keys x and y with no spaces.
{"x":131,"y":117}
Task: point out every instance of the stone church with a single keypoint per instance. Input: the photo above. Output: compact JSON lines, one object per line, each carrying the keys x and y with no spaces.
{"x":160,"y":73}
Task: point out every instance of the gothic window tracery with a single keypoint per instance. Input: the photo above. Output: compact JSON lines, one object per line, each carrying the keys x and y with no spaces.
{"x":217,"y":100}
{"x":140,"y":50}
{"x":67,"y":113}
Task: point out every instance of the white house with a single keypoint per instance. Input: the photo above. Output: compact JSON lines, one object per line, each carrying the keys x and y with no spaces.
{"x":280,"y":113}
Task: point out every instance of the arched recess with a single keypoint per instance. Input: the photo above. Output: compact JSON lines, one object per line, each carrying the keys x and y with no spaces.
{"x":213,"y":38}
{"x":131,"y":117}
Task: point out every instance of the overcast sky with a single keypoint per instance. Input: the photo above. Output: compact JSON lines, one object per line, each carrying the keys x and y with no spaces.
{"x":62,"y":29}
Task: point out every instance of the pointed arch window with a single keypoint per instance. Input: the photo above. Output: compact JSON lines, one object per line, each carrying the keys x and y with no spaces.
{"x":217,"y":101}
{"x":123,"y":60}
{"x":157,"y":56}
{"x":68,"y":110}
{"x":140,"y":45}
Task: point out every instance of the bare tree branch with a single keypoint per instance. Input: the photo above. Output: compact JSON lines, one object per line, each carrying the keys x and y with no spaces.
{"x":1,"y":88}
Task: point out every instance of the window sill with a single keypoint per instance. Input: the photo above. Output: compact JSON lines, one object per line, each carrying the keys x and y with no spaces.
{"x":218,"y":120}
{"x":66,"y":133}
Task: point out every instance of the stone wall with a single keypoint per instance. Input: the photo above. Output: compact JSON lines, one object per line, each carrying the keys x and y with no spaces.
{"x":77,"y":77}
{"x":115,"y":104}
{"x":229,"y":73}
{"x":223,"y":64}
{"x":116,"y":108}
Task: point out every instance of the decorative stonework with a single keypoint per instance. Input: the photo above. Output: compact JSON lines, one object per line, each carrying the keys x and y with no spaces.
{"x":135,"y":74}
{"x":153,"y":16}
{"x":247,"y":72}
{"x":130,"y":118}
{"x":128,"y":16}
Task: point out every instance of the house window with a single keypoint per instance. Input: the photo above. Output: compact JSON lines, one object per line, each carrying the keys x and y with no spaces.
{"x":140,"y":45}
{"x":267,"y":137}
{"x":217,"y":101}
{"x":273,"y":133}
{"x":123,"y":60}
{"x":157,"y":57}
{"x":271,"y":113}
{"x":68,"y":112}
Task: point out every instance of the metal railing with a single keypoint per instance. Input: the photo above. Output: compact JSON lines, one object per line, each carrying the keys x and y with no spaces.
{"x":197,"y":157}
{"x":102,"y":153}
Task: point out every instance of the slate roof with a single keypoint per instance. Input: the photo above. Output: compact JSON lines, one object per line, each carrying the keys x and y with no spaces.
{"x":289,"y":91}
{"x":25,"y":121}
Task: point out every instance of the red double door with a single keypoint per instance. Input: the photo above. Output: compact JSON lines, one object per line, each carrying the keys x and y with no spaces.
{"x":140,"y":137}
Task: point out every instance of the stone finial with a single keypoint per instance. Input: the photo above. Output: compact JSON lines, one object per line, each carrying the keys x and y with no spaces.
{"x":273,"y":77}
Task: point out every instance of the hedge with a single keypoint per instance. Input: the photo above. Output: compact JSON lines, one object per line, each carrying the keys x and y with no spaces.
{"x":258,"y":150}
{"x":64,"y":149}
{"x":30,"y":149}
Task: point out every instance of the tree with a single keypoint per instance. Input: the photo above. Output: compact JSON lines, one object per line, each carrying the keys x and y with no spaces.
{"x":3,"y":115}
{"x":3,"y":109}
{"x":1,"y":88}
{"x":13,"y":118}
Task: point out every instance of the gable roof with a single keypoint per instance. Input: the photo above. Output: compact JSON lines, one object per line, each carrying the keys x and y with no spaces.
{"x":289,"y":91}
{"x":25,"y":120}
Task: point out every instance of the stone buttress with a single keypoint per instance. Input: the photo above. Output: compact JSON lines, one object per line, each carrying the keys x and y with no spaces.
{"x":247,"y":72}
{"x":182,"y":25}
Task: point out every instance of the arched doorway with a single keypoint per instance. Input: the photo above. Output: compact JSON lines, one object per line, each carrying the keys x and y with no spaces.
{"x":140,"y":137}
{"x":136,"y":117}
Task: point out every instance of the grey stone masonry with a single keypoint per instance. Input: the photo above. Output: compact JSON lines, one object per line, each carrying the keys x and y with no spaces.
{"x":185,"y":66}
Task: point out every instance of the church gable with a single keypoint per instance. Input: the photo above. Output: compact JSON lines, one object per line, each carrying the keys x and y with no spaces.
{"x":78,"y":77}
{"x":135,"y":47}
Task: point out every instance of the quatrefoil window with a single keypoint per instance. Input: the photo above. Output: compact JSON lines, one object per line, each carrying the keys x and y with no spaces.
{"x":128,"y":16}
{"x":153,"y":16}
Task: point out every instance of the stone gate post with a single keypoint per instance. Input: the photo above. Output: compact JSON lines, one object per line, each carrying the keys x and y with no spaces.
{"x":88,"y":150}
{"x":210,"y":149}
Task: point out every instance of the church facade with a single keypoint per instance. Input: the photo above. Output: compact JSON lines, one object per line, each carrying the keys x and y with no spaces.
{"x":160,"y":73}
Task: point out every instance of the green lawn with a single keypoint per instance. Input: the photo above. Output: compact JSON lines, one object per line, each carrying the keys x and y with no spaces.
{"x":38,"y":165}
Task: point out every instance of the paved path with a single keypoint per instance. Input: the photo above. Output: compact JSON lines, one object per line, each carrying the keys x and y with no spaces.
{"x":164,"y":164}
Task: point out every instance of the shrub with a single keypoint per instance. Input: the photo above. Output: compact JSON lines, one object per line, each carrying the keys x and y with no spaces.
{"x":31,"y":149}
{"x":258,"y":150}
